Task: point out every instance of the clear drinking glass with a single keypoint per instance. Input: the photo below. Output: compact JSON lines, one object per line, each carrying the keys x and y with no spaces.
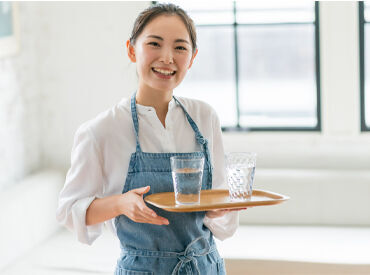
{"x":187,"y":173}
{"x":240,"y":174}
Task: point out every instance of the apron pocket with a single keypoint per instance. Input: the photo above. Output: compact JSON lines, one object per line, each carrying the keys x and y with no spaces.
{"x":122,"y":271}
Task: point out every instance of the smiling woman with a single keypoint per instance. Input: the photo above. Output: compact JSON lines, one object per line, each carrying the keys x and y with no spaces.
{"x":163,"y":53}
{"x":106,"y":185}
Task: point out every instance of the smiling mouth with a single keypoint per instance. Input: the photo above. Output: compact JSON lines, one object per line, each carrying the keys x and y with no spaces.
{"x":163,"y":72}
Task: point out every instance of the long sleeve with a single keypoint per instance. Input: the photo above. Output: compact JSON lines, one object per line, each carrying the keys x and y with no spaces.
{"x":225,"y":226}
{"x":84,"y":183}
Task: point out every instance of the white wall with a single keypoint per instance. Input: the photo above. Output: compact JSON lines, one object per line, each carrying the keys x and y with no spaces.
{"x":84,"y":67}
{"x":71,"y":65}
{"x":20,"y":99}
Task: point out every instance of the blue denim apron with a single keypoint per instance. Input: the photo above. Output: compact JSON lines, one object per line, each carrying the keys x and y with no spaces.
{"x":186,"y":245}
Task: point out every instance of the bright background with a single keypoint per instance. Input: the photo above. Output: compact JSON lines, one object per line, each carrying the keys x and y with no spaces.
{"x":72,"y":65}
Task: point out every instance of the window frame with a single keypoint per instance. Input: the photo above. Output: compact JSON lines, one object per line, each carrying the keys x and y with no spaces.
{"x":362,"y":22}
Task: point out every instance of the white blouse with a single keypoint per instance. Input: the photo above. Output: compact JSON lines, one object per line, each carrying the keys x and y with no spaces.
{"x":101,"y":154}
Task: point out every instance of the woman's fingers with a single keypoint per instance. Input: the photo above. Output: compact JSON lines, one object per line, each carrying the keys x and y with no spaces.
{"x":142,"y":190}
{"x":135,"y":208}
{"x":237,"y":209}
{"x":149,"y":216}
{"x":157,"y":220}
{"x":145,"y":217}
{"x":145,"y":209}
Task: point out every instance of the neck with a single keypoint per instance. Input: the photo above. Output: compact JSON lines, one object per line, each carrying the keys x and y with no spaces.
{"x":153,"y":98}
{"x":157,"y":99}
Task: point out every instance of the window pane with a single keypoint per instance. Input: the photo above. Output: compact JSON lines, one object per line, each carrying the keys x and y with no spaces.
{"x":212,"y":76}
{"x":367,"y":11}
{"x":367,"y":74}
{"x":253,"y":12}
{"x":277,"y":76}
{"x":6,"y":27}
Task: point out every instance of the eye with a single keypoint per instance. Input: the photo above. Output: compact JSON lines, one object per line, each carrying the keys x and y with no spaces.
{"x":154,"y":44}
{"x":181,"y":48}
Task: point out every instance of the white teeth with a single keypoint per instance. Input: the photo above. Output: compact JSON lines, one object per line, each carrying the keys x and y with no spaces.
{"x":165,"y":72}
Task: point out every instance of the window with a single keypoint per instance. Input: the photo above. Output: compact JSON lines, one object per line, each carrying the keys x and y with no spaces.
{"x":8,"y":29}
{"x":257,"y":64}
{"x":364,"y":17}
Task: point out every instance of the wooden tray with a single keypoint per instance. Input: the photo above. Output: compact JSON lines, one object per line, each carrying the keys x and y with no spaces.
{"x":214,"y":199}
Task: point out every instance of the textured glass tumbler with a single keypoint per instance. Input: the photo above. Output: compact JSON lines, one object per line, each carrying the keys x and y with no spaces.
{"x":240,"y":175}
{"x":187,"y":173}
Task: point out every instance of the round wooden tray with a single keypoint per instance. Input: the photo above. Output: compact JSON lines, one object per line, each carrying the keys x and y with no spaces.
{"x":214,"y":199}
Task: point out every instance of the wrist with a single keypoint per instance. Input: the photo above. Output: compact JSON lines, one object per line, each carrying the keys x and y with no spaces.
{"x":117,"y":205}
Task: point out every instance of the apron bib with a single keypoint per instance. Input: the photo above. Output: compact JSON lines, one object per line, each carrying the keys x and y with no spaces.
{"x":186,"y":245}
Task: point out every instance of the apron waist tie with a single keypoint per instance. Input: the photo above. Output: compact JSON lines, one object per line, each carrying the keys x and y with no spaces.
{"x":185,"y":258}
{"x":190,"y":253}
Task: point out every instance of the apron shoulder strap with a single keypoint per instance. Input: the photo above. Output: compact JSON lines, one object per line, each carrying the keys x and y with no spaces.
{"x":135,"y":121}
{"x":199,"y":137}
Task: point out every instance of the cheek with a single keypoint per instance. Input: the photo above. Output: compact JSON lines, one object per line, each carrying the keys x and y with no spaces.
{"x":184,"y":61}
{"x":149,"y":57}
{"x":145,"y":58}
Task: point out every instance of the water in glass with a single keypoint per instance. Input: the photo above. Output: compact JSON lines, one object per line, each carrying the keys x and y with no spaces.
{"x":187,"y":185}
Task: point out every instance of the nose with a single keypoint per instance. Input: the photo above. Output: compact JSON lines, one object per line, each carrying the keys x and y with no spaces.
{"x":166,"y":56}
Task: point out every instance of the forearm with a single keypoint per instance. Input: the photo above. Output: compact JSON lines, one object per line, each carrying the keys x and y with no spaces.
{"x":103,"y":209}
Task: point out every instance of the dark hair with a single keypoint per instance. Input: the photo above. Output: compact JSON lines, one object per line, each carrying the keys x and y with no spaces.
{"x":158,"y":9}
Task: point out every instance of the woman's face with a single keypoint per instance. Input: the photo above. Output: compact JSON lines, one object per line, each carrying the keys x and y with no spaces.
{"x":163,"y":53}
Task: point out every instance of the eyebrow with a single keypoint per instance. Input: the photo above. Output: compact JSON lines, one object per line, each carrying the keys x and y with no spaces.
{"x":160,"y":38}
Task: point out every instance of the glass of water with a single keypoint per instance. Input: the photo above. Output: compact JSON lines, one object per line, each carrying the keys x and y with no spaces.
{"x":240,"y":174}
{"x":187,"y":173}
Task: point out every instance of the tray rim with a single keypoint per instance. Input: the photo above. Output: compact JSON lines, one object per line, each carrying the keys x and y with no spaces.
{"x":276,"y":199}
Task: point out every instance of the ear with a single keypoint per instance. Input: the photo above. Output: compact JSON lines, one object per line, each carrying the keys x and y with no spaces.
{"x":192,"y":58}
{"x":130,"y":51}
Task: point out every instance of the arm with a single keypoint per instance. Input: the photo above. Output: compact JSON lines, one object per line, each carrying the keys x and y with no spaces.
{"x":84,"y":183}
{"x":82,"y":205}
{"x":130,"y":204}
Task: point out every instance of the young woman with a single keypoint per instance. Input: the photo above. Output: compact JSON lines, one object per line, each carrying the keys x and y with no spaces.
{"x":124,"y":154}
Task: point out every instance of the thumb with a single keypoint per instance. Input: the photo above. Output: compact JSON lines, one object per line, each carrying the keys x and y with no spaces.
{"x":142,"y":190}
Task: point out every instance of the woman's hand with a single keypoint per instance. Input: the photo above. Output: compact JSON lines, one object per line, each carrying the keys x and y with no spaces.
{"x":219,"y":213}
{"x":132,"y":205}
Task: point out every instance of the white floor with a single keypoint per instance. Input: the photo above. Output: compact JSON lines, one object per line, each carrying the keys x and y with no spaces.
{"x":63,"y":255}
{"x":345,"y":245}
